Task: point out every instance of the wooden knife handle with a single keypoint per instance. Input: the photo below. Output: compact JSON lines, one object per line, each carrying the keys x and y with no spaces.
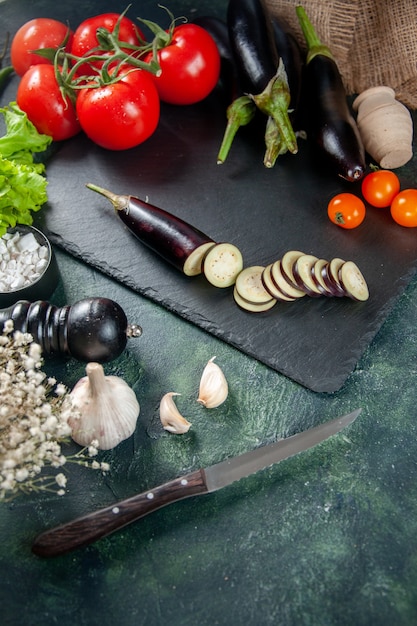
{"x":88,"y":528}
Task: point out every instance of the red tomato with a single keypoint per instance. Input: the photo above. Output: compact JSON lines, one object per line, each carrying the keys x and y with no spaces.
{"x":379,"y":188}
{"x":39,"y":96}
{"x":190,"y":66}
{"x":346,"y":210}
{"x":36,"y":34}
{"x":85,"y":36}
{"x":404,"y":208}
{"x":120,"y":115}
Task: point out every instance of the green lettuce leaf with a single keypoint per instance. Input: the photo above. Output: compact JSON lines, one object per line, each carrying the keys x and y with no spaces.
{"x":22,"y":191}
{"x":22,"y":139}
{"x":22,"y":184}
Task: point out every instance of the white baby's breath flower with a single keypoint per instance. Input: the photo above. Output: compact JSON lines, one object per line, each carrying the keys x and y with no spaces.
{"x":60,"y":389}
{"x":34,"y":414}
{"x":21,"y":474}
{"x":92,"y":450}
{"x":35,"y":351}
{"x":8,"y":327}
{"x":61,"y":480}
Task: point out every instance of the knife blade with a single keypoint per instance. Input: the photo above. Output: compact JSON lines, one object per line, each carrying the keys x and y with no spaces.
{"x":84,"y":530}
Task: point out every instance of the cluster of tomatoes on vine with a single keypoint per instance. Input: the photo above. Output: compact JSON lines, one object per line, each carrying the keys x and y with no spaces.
{"x":381,"y":189}
{"x":106,"y":79}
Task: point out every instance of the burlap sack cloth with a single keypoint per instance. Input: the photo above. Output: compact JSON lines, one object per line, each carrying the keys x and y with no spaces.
{"x":373,"y":41}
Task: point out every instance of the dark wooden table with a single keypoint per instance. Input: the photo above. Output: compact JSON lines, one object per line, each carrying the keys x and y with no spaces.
{"x":325,"y":538}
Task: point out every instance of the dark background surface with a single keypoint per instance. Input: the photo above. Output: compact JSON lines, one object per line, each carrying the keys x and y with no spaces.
{"x":328,"y":537}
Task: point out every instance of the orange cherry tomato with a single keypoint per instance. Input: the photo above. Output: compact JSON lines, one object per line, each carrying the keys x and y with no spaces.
{"x":346,"y":210}
{"x":404,"y":208}
{"x":379,"y":188}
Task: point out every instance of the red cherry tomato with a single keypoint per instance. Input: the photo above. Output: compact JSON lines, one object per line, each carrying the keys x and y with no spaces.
{"x":39,"y":96}
{"x":346,"y":210}
{"x":190,"y":66}
{"x":85,"y":36}
{"x":37,"y":34}
{"x":120,"y":115}
{"x":379,"y":188}
{"x":404,"y":208}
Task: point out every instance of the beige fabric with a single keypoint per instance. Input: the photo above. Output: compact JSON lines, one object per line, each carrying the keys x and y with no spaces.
{"x":373,"y":41}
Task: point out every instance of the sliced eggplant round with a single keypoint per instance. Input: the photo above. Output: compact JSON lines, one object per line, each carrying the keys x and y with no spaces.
{"x":317,"y":277}
{"x":302,"y":271}
{"x":285,"y":286}
{"x":272,"y":287}
{"x":330,"y":275}
{"x":287,"y":264}
{"x":249,"y":285}
{"x":222,"y":264}
{"x":253,"y":307}
{"x":353,"y":282}
{"x":193,"y":266}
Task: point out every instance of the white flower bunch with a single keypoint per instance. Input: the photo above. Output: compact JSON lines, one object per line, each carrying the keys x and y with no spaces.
{"x":34,"y":412}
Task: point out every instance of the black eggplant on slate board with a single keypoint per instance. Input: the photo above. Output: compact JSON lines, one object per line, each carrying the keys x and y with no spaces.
{"x":228,"y":72}
{"x":292,"y":57}
{"x":178,"y":242}
{"x":262,"y":78}
{"x":253,"y":44}
{"x":330,"y":124}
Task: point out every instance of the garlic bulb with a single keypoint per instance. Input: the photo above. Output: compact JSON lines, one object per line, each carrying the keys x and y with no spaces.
{"x":171,"y":418}
{"x":213,"y":386}
{"x":107,"y":406}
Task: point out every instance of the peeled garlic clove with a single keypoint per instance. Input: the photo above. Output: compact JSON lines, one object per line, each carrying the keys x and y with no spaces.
{"x":107,"y":409}
{"x":171,"y":418}
{"x":213,"y":386}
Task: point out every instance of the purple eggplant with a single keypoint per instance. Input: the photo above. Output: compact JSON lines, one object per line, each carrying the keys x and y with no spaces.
{"x":330,"y":124}
{"x":263,"y":78}
{"x":176,"y":241}
{"x":181,"y":244}
{"x":219,"y":31}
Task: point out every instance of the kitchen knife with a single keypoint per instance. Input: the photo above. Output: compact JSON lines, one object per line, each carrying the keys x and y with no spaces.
{"x":88,"y":528}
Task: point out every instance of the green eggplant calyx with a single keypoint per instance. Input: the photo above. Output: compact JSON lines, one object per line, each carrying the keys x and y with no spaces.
{"x":239,"y":113}
{"x":274,"y":102}
{"x":275,"y":146}
{"x":314,"y":46}
{"x":120,"y":203}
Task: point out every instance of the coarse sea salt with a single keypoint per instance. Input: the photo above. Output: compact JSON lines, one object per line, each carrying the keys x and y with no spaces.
{"x":22,"y":261}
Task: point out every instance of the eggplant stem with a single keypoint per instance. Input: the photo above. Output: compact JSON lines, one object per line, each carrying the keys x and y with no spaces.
{"x":314,"y":46}
{"x":274,"y":102}
{"x":239,"y":113}
{"x":120,"y":203}
{"x":273,"y":142}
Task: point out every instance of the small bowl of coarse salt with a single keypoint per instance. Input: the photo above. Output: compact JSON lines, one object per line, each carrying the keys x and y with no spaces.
{"x":28,"y":267}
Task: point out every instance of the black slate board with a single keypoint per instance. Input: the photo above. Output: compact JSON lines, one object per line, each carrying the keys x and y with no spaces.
{"x":316,"y":342}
